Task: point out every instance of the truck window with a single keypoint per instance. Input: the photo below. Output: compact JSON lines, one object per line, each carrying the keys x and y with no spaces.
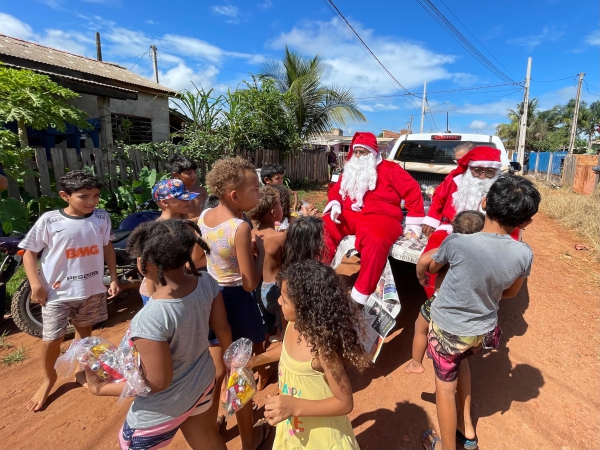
{"x":431,"y":152}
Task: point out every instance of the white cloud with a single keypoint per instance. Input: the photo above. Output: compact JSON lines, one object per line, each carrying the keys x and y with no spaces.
{"x":226,"y":10}
{"x":266,"y":4}
{"x":593,"y":38}
{"x":193,"y":47}
{"x":183,"y":77}
{"x":478,"y":125}
{"x":530,"y":42}
{"x":347,"y":65}
{"x":377,"y":107}
{"x":498,"y":108}
{"x":11,"y":26}
{"x":150,"y":22}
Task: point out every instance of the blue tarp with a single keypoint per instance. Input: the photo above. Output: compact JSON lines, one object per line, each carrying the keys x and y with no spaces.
{"x":557,"y":161}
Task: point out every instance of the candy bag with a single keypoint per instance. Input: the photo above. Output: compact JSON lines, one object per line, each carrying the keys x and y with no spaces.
{"x":130,"y":367}
{"x":241,"y":386}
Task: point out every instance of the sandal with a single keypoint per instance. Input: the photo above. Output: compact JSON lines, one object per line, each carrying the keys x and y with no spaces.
{"x":468,"y":444}
{"x":434,"y":439}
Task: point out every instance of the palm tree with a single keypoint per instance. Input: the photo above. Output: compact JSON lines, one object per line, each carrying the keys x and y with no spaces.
{"x":315,"y":107}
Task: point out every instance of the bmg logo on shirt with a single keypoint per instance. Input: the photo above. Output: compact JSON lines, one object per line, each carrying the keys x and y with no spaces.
{"x":80,"y":252}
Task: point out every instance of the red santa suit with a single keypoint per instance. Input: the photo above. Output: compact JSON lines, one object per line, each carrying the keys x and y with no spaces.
{"x":442,"y":210}
{"x":378,"y":224}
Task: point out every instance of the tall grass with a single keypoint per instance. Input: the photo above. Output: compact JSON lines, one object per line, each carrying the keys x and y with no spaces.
{"x":580,"y":213}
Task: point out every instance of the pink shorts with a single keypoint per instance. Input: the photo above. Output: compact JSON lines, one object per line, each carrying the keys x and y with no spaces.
{"x":162,"y":435}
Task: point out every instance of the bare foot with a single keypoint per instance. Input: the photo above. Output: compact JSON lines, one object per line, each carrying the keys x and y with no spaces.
{"x":263,"y":377}
{"x":81,"y":378}
{"x":40,"y":397}
{"x":414,"y":367}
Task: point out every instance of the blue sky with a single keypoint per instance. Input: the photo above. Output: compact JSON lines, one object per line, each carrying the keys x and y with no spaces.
{"x":216,"y":44}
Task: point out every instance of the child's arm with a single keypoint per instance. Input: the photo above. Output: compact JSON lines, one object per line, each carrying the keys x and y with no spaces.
{"x":110,"y":258}
{"x":271,"y":355}
{"x":423,"y":265}
{"x":218,"y":322}
{"x":514,"y":289}
{"x":281,"y":407}
{"x":250,"y":268}
{"x":38,"y":293}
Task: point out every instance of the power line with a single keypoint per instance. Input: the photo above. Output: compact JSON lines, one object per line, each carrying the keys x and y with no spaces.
{"x":437,"y":15}
{"x":465,"y":27}
{"x":132,"y":57}
{"x":587,"y":88}
{"x":553,"y":81}
{"x":445,"y":91}
{"x":137,"y":62}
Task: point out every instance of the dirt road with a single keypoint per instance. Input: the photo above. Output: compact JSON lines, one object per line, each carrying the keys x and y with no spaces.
{"x":540,"y":390}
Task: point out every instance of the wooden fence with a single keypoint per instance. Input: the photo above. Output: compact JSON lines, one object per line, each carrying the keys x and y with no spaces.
{"x":578,"y":173}
{"x":124,"y":165}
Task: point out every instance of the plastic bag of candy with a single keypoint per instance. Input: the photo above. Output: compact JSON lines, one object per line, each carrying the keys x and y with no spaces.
{"x":130,"y":368}
{"x":241,"y":386}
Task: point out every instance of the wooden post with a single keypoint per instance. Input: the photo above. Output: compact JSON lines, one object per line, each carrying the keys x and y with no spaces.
{"x":100,"y":172}
{"x":72,"y":159}
{"x":43,"y":170}
{"x":112,"y":171}
{"x":537,"y":163}
{"x":549,"y":167}
{"x":315,"y":176}
{"x":86,"y":157}
{"x":58,"y":165}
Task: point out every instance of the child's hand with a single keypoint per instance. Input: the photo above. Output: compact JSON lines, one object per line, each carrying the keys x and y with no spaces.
{"x":278,"y":408}
{"x":258,"y":244}
{"x":39,"y":294}
{"x":113,"y":289}
{"x":423,"y":280}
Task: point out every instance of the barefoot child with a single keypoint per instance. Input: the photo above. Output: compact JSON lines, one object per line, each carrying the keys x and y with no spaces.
{"x":185,"y":170}
{"x":266,"y":215}
{"x":484,"y":268}
{"x":232,"y":264}
{"x":75,"y":243}
{"x":171,"y":336}
{"x":315,"y":395}
{"x":466,"y":222}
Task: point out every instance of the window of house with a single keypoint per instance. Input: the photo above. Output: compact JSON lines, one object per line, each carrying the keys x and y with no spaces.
{"x":131,"y":129}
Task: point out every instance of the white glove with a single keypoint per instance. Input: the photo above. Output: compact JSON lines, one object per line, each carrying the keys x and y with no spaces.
{"x":413,"y":230}
{"x":336,"y":210}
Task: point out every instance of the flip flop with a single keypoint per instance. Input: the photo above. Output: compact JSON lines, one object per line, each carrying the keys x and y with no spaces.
{"x":434,"y":439}
{"x":468,"y":444}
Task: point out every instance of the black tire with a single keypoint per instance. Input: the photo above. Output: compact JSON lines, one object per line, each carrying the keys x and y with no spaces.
{"x":26,"y":315}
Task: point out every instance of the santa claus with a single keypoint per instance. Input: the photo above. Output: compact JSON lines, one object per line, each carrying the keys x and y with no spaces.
{"x":365,"y":202}
{"x":463,"y":189}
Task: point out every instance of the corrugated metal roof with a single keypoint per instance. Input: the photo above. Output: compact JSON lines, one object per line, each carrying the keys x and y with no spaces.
{"x":35,"y":52}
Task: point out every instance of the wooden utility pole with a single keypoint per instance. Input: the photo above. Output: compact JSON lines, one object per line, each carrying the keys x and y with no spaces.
{"x":154,"y":62}
{"x":575,"y":115}
{"x":98,"y":47}
{"x":523,"y":122}
{"x":423,"y":107}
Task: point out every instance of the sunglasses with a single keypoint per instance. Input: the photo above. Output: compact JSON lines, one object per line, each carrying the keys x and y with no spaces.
{"x":478,"y":171}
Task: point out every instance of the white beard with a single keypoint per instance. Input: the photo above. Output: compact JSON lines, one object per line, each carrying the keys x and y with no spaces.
{"x":470,"y":192}
{"x":360,"y":176}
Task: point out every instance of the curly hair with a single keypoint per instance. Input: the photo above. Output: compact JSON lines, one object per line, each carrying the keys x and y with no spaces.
{"x":328,"y":320}
{"x":284,"y":199}
{"x":167,"y":244}
{"x":305,"y":240}
{"x":268,"y":198}
{"x":76,"y":180}
{"x":228,"y":174}
{"x":468,"y":222}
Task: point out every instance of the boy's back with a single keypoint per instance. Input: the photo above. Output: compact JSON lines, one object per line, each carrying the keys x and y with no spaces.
{"x":273,"y":242}
{"x":482,"y":266}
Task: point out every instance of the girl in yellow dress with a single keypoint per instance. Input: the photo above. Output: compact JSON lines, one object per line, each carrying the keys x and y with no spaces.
{"x":315,"y":395}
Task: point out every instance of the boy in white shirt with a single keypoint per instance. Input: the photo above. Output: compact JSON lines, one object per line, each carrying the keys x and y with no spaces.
{"x":74,"y":242}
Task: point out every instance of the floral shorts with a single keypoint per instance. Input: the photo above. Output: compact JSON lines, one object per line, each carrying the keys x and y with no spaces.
{"x":447,"y":350}
{"x":426,"y":308}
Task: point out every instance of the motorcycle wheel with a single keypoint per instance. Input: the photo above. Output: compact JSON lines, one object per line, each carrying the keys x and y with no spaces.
{"x":27,"y":315}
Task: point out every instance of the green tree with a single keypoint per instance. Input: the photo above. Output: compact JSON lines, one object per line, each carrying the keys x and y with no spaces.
{"x":315,"y":107}
{"x":35,"y":100}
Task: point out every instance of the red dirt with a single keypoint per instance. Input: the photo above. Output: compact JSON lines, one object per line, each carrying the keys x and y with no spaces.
{"x":540,"y":390}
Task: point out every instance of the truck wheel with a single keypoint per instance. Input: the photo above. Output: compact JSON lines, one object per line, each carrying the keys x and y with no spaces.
{"x":27,"y":315}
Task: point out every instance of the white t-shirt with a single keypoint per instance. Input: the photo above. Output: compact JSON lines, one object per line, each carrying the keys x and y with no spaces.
{"x":72,"y":253}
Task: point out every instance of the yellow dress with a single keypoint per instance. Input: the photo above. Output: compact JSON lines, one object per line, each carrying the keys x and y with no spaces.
{"x":300,"y":380}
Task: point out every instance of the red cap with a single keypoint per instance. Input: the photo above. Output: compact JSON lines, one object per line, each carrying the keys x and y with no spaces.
{"x":478,"y":157}
{"x":366,"y":140}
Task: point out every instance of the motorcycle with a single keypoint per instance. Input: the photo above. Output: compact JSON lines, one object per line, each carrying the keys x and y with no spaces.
{"x":27,"y":314}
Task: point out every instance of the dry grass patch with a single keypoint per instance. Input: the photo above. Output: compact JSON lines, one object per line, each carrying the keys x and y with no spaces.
{"x":581,"y":213}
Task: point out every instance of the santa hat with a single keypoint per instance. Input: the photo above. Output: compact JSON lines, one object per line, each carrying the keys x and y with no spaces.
{"x":479,"y":157}
{"x":366,"y":140}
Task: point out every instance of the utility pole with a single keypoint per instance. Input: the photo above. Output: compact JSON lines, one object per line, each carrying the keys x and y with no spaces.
{"x":423,"y":107}
{"x":523,"y":122}
{"x":98,"y":47}
{"x":410,"y":123}
{"x":154,"y":62}
{"x":447,"y":122}
{"x":575,"y":114}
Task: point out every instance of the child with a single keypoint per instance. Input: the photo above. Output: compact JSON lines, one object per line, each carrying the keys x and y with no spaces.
{"x":466,"y":222}
{"x":484,"y":268}
{"x":75,"y":243}
{"x":304,"y":241}
{"x":185,"y":170}
{"x":174,"y":200}
{"x":315,"y":395}
{"x":272,"y":175}
{"x":266,"y":214}
{"x":171,"y":336}
{"x":233,"y":265}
